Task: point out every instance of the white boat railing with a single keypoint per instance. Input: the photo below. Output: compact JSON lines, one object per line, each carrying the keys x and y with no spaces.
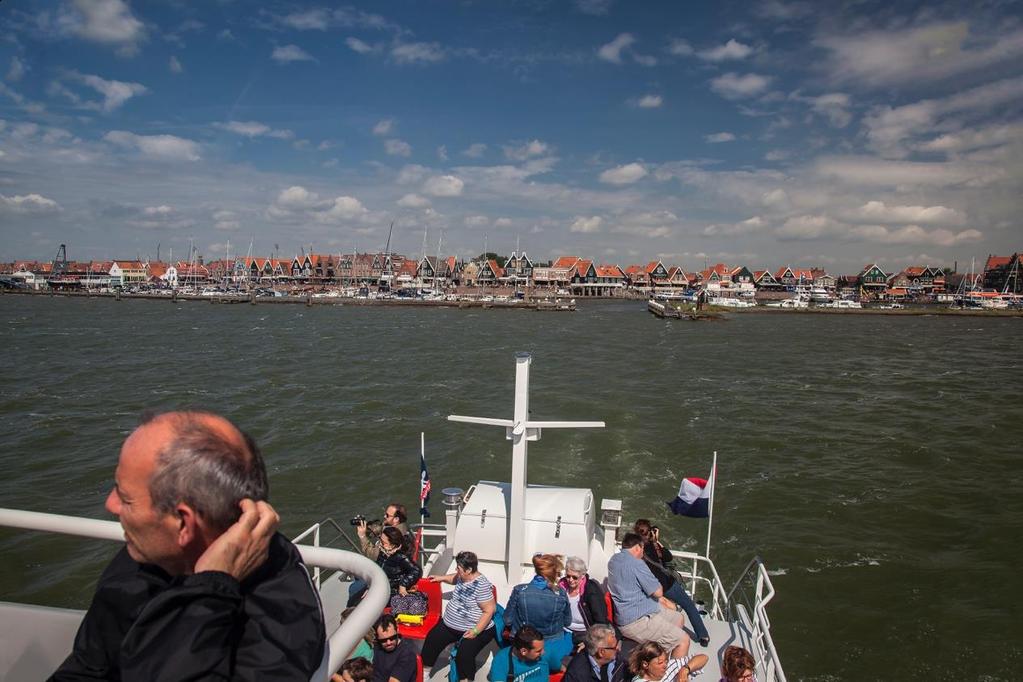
{"x":760,"y":624}
{"x":341,"y":643}
{"x":718,"y":599}
{"x":314,"y":532}
{"x":431,"y":552}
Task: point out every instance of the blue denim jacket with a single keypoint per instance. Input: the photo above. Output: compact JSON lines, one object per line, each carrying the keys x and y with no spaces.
{"x":536,"y":604}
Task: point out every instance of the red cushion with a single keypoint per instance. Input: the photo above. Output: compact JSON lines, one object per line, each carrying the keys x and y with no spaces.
{"x":610,"y":607}
{"x":433,"y":611}
{"x":556,"y":677}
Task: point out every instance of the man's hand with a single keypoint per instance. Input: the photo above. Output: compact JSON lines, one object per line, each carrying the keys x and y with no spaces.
{"x":361,"y":528}
{"x":402,"y":591}
{"x":244,"y":546}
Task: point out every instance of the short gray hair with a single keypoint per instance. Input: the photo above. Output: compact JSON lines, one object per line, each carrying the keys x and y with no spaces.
{"x":208,"y":471}
{"x":574,"y":563}
{"x":596,"y":635}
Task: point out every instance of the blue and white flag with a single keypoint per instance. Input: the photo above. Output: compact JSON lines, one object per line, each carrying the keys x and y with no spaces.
{"x":694,"y":497}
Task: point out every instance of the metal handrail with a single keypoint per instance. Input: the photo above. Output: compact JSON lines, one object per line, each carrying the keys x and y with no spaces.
{"x":761,"y":625}
{"x":314,"y":530}
{"x":342,"y":642}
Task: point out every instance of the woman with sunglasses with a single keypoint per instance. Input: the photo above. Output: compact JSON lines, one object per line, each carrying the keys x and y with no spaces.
{"x":649,"y":662}
{"x":585,"y":598}
{"x":401,"y":571}
{"x":543,"y":604}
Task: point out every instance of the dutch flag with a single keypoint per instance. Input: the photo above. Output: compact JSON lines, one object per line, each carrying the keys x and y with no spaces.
{"x":694,"y":497}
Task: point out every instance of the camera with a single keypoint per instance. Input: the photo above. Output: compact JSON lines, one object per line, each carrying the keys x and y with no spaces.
{"x":357,"y":519}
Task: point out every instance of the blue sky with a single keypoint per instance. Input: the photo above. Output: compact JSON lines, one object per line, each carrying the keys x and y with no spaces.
{"x":760,"y":133}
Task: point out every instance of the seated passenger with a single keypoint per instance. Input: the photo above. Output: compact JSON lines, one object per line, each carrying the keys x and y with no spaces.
{"x":401,"y":571}
{"x":468,"y":617}
{"x":394,"y":659}
{"x":639,"y":613}
{"x":659,"y":559}
{"x":649,"y":662}
{"x":356,"y":669}
{"x":522,"y":661}
{"x":601,"y":660}
{"x":737,"y":665}
{"x":585,"y":597}
{"x":543,"y":604}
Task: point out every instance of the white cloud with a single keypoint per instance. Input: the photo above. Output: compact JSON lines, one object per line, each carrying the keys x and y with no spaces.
{"x":413,"y":201}
{"x":920,"y":53}
{"x":396,"y":147}
{"x":650,"y":224}
{"x":109,"y":22}
{"x":411,"y":174}
{"x":475,"y":150}
{"x":444,"y":186}
{"x":891,"y":130}
{"x":226,"y":221}
{"x":807,"y":227}
{"x":286,"y":54}
{"x":174,"y":65}
{"x":418,"y":53}
{"x":442,"y":153}
{"x":503,"y":222}
{"x":650,"y":101}
{"x":973,"y":139}
{"x":744,"y":227}
{"x":733,"y":49}
{"x":594,"y":7}
{"x":735,"y":86}
{"x":835,"y":106}
{"x":719,"y":137}
{"x":298,"y":204}
{"x":16,"y":70}
{"x":476,"y":221}
{"x":623,"y":175}
{"x":612,"y":51}
{"x":776,"y":155}
{"x":253,"y":129}
{"x":872,"y":172}
{"x":167,"y":147}
{"x":880,"y":212}
{"x":314,"y":19}
{"x":525,"y":151}
{"x":680,"y":48}
{"x":162,"y":217}
{"x":359,"y":46}
{"x":383,"y":127}
{"x":28,"y":204}
{"x":115,"y":93}
{"x":912,"y":234}
{"x":586,"y":225}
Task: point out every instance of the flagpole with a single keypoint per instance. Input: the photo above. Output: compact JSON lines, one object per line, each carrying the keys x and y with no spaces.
{"x":713,"y":491}
{"x":422,"y":458}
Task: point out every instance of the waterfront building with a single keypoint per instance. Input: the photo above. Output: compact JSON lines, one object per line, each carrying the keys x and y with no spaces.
{"x":489,"y":273}
{"x":518,"y":269}
{"x":127,"y":272}
{"x":191,"y":274}
{"x":583,"y":278}
{"x":434,"y":271}
{"x":790,"y":277}
{"x":822,"y":279}
{"x":1002,"y":273}
{"x":678,"y":280}
{"x":637,"y":278}
{"x":610,"y":280}
{"x":765,"y":281}
{"x":657,"y":273}
{"x":872,"y":280}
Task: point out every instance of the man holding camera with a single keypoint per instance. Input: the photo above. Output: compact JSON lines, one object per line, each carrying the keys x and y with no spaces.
{"x":396,"y":516}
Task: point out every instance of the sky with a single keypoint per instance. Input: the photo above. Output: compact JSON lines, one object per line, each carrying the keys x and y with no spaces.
{"x":763,"y":133}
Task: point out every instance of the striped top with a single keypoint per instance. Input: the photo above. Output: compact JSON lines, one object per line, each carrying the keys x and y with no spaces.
{"x":463,"y":611}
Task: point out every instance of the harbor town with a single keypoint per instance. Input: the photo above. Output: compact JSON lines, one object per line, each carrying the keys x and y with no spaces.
{"x":493,"y":279}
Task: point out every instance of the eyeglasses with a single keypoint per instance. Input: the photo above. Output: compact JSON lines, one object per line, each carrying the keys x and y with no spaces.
{"x":748,"y":675}
{"x":617,"y":645}
{"x":389,"y":516}
{"x":392,"y":638}
{"x":569,"y":576}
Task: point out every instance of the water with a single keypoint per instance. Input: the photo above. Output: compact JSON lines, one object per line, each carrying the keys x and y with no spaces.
{"x":873,"y":462}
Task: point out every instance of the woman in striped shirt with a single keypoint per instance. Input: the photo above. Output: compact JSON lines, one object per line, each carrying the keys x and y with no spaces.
{"x":467,"y":617}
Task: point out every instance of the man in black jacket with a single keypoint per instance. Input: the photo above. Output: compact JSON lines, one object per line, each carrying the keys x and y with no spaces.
{"x":601,"y":660}
{"x":204,"y":587}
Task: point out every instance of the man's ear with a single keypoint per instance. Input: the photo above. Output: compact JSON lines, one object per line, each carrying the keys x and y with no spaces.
{"x":188,"y":524}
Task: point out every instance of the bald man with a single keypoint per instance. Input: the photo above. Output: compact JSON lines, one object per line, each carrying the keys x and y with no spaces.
{"x":204,"y":588}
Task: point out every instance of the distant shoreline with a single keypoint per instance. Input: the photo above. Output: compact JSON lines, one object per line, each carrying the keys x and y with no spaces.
{"x":308,"y":300}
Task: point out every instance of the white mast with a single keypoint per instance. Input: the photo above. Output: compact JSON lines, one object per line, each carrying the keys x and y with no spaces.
{"x":520,"y":430}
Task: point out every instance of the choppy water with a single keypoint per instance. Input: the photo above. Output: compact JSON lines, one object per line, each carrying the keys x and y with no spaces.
{"x":873,"y":462}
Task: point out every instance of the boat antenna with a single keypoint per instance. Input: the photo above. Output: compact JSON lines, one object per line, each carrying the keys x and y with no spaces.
{"x":520,"y":429}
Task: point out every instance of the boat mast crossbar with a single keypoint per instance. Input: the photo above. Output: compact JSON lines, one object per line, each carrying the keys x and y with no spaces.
{"x":520,"y":430}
